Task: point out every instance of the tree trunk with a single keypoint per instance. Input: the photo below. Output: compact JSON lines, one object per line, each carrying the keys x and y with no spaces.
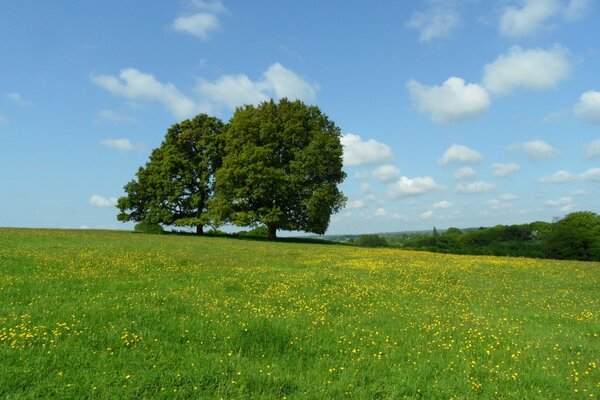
{"x":199,"y":230}
{"x":272,"y":232}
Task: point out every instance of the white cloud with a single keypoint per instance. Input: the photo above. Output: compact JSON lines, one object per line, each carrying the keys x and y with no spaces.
{"x":17,"y":99}
{"x":356,"y":204}
{"x":361,"y":152}
{"x":285,"y":83}
{"x":133,"y":84}
{"x":592,"y":174}
{"x":442,"y":205}
{"x":434,"y":23}
{"x":535,"y":69}
{"x":122,"y":144}
{"x":277,"y":82}
{"x":233,"y":91}
{"x":535,"y":16}
{"x":528,"y":19}
{"x":229,"y":90}
{"x":502,"y":170}
{"x":588,"y":107}
{"x":99,"y":201}
{"x":453,"y":101}
{"x":464,"y":173}
{"x":113,"y":117}
{"x":380,"y":212}
{"x":386,"y":173}
{"x":460,"y":154}
{"x":561,"y":176}
{"x":412,"y":186}
{"x":474,"y":188}
{"x":592,"y":150}
{"x":536,"y":149}
{"x":508,"y":197}
{"x":427,"y":214}
{"x":564,"y":203}
{"x":199,"y":24}
{"x":577,"y":9}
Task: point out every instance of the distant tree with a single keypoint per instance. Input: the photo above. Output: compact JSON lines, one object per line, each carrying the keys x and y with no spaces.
{"x":371,"y":241}
{"x":176,"y":184}
{"x":282,"y":166}
{"x":576,"y":237}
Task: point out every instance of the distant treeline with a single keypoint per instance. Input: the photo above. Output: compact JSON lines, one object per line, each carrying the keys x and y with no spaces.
{"x":575,"y":237}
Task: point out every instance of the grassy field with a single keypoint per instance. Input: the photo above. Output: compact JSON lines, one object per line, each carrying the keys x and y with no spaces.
{"x":92,"y":314}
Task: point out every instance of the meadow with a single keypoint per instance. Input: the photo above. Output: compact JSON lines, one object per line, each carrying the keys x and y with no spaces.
{"x":101,"y":314}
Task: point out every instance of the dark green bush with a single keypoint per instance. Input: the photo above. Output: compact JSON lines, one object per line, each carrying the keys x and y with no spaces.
{"x":148,"y":227}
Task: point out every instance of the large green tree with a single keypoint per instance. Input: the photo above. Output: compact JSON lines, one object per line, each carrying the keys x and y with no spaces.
{"x":176,"y":184}
{"x":575,"y":237}
{"x":282,"y":167}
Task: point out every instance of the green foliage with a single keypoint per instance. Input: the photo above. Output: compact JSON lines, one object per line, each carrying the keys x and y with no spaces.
{"x":148,"y":227}
{"x":575,"y":237}
{"x":176,"y":184}
{"x":258,"y":231}
{"x":282,"y":165}
{"x":371,"y":241}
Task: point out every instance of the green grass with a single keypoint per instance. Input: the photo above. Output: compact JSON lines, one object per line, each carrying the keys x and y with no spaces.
{"x":100,"y":314}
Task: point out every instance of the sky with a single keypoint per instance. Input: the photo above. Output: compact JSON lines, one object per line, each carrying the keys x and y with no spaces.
{"x":459,"y":113}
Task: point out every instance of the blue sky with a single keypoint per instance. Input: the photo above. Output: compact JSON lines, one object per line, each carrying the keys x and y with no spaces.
{"x":453,"y":112}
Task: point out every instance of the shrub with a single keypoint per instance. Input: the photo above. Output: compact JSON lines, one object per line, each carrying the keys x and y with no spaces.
{"x":149,"y":227}
{"x":371,"y":241}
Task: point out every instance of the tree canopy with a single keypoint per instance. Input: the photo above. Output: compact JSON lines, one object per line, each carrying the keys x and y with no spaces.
{"x":275,"y":164}
{"x":176,"y":184}
{"x":282,"y":165}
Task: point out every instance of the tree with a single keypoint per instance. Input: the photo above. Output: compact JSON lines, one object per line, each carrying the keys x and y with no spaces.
{"x":282,"y":166}
{"x":576,"y":237}
{"x":176,"y":184}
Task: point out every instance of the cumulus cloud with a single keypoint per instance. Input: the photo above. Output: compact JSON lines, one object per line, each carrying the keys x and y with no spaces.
{"x":427,"y":214}
{"x":460,"y":154}
{"x":199,"y":24}
{"x":380,"y":212}
{"x":535,"y":69}
{"x":17,"y":99}
{"x":412,"y":186}
{"x":536,"y":149}
{"x":453,"y":101}
{"x":364,"y":152}
{"x":464,"y":173}
{"x":386,"y":173}
{"x":356,"y":204}
{"x":434,"y":23}
{"x":442,"y":205}
{"x":528,"y":19}
{"x":474,"y":188}
{"x":133,"y":84}
{"x":564,"y":203}
{"x":99,"y":201}
{"x":202,"y":23}
{"x":592,"y":174}
{"x":561,"y":176}
{"x":502,"y":170}
{"x":588,"y":107}
{"x":229,"y":90}
{"x":592,"y":150}
{"x":122,"y":144}
{"x":577,"y":9}
{"x":113,"y":117}
{"x":508,"y":197}
{"x":277,"y":82}
{"x":535,"y":16}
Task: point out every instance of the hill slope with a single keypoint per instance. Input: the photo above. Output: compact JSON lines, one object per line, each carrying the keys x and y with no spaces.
{"x":122,"y":315}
